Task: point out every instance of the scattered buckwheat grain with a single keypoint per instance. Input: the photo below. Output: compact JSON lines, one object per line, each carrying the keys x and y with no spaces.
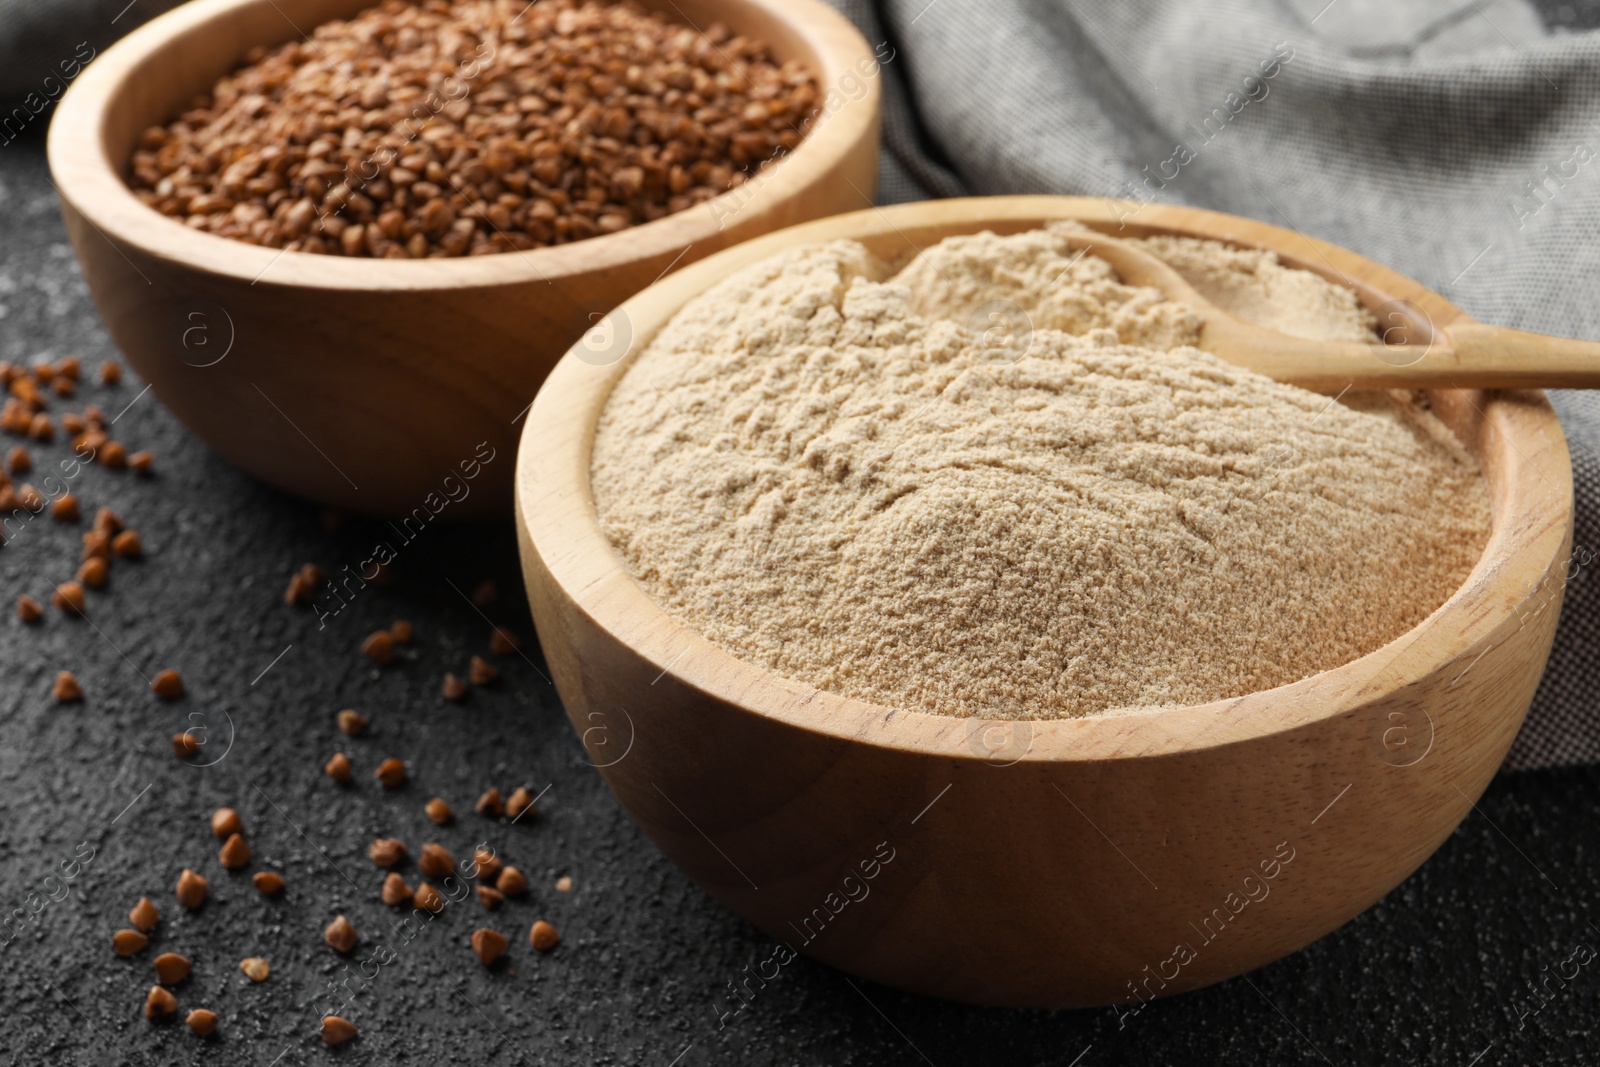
{"x":489,"y":945}
{"x":225,"y":822}
{"x":167,"y":684}
{"x":235,"y":853}
{"x":267,"y":883}
{"x":144,"y":915}
{"x":337,"y":1030}
{"x":159,"y":1003}
{"x":171,"y":968}
{"x":192,"y":889}
{"x":126,"y":942}
{"x":66,"y":690}
{"x":338,"y":768}
{"x":340,"y":935}
{"x":543,"y":936}
{"x":391,"y":772}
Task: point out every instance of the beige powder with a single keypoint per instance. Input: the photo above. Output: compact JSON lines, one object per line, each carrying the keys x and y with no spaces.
{"x":829,"y":469}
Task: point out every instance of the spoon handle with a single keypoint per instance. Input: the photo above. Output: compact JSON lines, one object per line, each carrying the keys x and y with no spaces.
{"x":1472,"y":356}
{"x":1494,"y":357}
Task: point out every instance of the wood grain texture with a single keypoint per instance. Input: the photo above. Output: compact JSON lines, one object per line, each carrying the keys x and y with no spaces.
{"x":361,"y":383}
{"x":1046,"y":863}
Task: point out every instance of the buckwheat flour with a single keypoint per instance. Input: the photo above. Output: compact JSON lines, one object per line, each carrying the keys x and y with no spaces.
{"x":840,"y":472}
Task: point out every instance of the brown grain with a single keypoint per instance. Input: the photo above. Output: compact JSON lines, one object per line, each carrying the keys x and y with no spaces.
{"x":225,"y":822}
{"x":379,"y":648}
{"x":486,"y":865}
{"x":438,"y":812}
{"x":126,"y":942}
{"x":489,"y":897}
{"x":255,"y":968}
{"x":110,"y":372}
{"x":503,"y":642}
{"x":267,"y":883}
{"x":68,"y":598}
{"x":428,"y":898}
{"x":96,"y":545}
{"x":127,"y":545}
{"x":519,"y":802}
{"x":490,"y":805}
{"x":338,"y":768}
{"x":387,"y":851}
{"x":436,"y":861}
{"x":352,"y":723}
{"x":94,"y":572}
{"x":489,"y":945}
{"x":159,"y":1003}
{"x":202,"y":1021}
{"x":473,"y":127}
{"x":512,"y":882}
{"x":192,"y":889}
{"x":340,"y":935}
{"x":235,"y":853}
{"x":29,"y":609}
{"x":303,"y":585}
{"x":481,"y":671}
{"x":66,"y":690}
{"x":454,"y":689}
{"x":543,"y":936}
{"x":144,"y":915}
{"x":167,"y":684}
{"x":172,"y":968}
{"x":395,"y":892}
{"x":337,"y":1030}
{"x":391,"y":772}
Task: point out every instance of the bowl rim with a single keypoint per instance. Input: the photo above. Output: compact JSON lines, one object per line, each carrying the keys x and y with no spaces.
{"x":87,"y":178}
{"x":558,"y":520}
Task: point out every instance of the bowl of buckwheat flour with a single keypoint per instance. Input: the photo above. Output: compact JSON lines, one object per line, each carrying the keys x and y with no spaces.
{"x":345,"y":240}
{"x":930,"y":599}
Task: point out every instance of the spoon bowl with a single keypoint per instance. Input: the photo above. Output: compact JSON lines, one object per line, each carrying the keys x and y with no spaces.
{"x":1410,"y":353}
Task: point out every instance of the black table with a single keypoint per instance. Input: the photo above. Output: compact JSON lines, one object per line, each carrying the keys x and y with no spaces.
{"x":1453,"y":967}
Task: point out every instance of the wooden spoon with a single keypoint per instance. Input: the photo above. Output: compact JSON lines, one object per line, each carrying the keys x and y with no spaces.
{"x":1469,"y":355}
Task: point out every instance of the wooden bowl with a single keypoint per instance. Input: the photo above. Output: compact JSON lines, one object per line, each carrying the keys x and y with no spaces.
{"x":1044,"y":863}
{"x":363,"y":383}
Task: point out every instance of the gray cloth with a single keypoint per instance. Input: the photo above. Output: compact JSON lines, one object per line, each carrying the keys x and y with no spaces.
{"x":1458,"y":143}
{"x":44,"y":43}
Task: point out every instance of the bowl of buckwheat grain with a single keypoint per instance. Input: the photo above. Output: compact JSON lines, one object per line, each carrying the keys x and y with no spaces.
{"x":344,"y":242}
{"x":927,"y":595}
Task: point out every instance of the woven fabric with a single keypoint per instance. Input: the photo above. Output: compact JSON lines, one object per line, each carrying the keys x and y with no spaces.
{"x":1458,"y":143}
{"x":44,"y":43}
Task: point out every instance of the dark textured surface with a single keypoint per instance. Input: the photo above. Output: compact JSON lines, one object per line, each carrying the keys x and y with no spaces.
{"x":1438,"y":972}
